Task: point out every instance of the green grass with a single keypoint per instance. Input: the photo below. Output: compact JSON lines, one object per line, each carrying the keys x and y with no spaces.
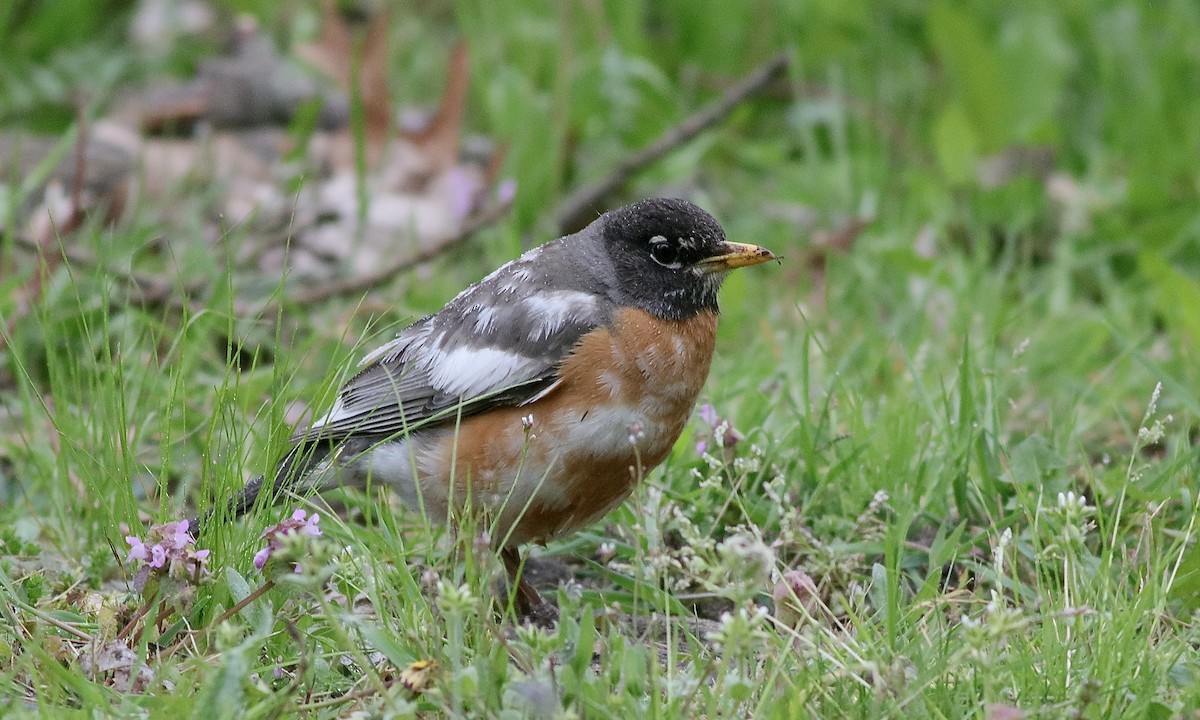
{"x":946,"y":424}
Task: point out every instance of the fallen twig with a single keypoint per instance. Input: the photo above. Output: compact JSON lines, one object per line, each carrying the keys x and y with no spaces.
{"x":145,"y":290}
{"x":582,"y":205}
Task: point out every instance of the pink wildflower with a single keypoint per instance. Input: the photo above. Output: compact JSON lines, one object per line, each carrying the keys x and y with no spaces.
{"x":720,"y":430}
{"x":300,"y":523}
{"x":168,"y":549}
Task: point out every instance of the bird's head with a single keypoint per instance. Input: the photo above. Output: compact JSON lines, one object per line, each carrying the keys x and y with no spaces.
{"x":670,"y":256}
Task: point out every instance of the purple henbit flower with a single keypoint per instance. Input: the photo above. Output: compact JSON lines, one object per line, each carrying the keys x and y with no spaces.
{"x":168,"y":549}
{"x":300,"y":523}
{"x":310,"y":526}
{"x":506,"y":191}
{"x":179,"y":535}
{"x":137,"y":549}
{"x":720,"y":430}
{"x":464,"y":192}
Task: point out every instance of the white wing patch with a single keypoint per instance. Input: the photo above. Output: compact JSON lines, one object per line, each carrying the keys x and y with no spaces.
{"x":520,"y":276}
{"x":555,"y":309}
{"x":518,"y":268}
{"x":485,"y":318}
{"x":471,"y":372}
{"x":445,"y":359}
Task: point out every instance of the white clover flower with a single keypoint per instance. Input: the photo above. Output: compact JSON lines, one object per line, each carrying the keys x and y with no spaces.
{"x":746,"y":558}
{"x":453,"y":599}
{"x":998,"y":553}
{"x":741,"y":630}
{"x":1151,"y":435}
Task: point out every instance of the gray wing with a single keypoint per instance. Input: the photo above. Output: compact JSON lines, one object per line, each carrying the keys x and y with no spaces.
{"x":499,"y":343}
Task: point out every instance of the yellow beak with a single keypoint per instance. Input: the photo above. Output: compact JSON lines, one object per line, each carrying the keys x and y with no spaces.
{"x":735,"y":255}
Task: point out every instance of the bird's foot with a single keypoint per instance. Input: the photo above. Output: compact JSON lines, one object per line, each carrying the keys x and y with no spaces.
{"x":543,"y":615}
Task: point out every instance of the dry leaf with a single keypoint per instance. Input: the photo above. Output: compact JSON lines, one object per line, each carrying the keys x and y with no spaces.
{"x":378,"y":111}
{"x":439,"y":140}
{"x":114,"y":664}
{"x":330,"y":52}
{"x":416,"y":677}
{"x":252,"y":85}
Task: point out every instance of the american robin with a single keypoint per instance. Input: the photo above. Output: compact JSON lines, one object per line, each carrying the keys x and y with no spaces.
{"x":542,"y":393}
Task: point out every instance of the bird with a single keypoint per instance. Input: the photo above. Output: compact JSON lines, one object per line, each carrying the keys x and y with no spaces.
{"x":540,"y":395}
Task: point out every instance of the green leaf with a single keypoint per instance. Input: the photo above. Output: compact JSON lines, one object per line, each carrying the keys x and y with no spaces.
{"x":256,"y":613}
{"x":582,"y":658}
{"x":1036,"y":61}
{"x":1186,"y":588}
{"x":1176,"y":295}
{"x":381,"y":640}
{"x":223,"y":696}
{"x":969,"y":56}
{"x":238,"y":587}
{"x":955,"y":144}
{"x":1034,"y":462}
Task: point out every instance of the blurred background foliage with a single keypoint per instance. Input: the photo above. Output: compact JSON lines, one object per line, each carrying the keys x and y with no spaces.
{"x":1110,"y":87}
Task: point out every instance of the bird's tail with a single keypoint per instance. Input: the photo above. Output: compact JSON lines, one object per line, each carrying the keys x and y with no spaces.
{"x":292,"y":474}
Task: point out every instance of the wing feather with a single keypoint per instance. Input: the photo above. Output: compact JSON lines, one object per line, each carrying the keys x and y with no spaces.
{"x":450,"y":365}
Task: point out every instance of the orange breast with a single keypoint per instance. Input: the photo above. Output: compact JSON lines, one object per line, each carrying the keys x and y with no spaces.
{"x":626,"y":394}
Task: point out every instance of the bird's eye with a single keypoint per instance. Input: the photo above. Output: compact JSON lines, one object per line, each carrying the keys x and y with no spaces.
{"x":665,"y":253}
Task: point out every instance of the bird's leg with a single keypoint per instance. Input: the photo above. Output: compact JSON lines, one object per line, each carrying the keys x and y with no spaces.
{"x":527,"y":595}
{"x":529,"y":602}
